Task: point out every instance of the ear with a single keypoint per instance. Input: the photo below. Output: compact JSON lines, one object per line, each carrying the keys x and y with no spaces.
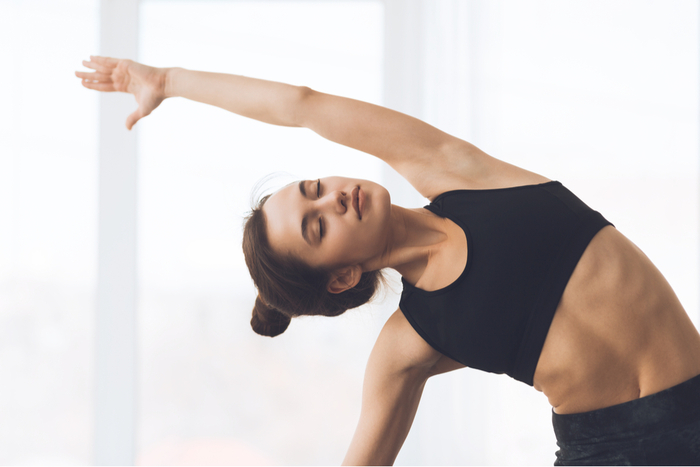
{"x":344,"y":279}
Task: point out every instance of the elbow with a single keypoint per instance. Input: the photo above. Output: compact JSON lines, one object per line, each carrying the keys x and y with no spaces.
{"x":303,"y":100}
{"x":304,"y":92}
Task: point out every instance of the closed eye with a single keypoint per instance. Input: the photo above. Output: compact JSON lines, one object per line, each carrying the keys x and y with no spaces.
{"x":320,"y":220}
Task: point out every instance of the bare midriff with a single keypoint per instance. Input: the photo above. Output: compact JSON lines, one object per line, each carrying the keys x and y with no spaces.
{"x":619,"y":332}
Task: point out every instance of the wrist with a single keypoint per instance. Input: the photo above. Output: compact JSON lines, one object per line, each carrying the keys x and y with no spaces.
{"x":168,"y":84}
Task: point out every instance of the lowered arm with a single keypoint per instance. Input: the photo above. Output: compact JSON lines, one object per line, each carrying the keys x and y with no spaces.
{"x":398,"y":368}
{"x":389,"y":406}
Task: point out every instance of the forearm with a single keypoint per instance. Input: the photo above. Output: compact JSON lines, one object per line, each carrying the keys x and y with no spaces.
{"x":266,"y":101}
{"x":383,"y":428}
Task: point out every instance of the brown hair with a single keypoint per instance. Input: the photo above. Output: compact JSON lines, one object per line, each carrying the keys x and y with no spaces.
{"x":288,"y":287}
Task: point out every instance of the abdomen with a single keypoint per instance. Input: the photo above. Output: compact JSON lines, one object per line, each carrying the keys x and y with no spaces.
{"x":619,"y":331}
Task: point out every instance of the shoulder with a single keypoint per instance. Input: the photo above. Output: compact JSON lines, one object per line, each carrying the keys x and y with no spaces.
{"x":459,"y":165}
{"x":400,"y":349}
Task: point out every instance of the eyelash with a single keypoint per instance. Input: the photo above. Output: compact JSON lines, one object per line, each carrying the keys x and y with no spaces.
{"x":320,"y":220}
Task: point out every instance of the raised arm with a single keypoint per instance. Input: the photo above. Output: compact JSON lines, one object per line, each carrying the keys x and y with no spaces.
{"x":421,"y":153}
{"x":430,"y":159}
{"x":267,"y":101}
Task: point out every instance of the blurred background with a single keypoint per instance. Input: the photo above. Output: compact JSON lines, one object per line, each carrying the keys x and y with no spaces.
{"x":124,"y":297}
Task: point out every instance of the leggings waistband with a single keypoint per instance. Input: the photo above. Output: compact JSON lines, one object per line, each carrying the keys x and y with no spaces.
{"x":679,"y":404}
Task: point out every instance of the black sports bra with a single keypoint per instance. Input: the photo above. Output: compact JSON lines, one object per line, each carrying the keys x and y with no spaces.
{"x":523,"y":245}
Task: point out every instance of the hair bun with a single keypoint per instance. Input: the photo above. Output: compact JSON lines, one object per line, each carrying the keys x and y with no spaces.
{"x":267,"y":321}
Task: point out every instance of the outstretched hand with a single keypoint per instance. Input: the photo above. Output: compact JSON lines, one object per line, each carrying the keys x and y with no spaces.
{"x":146,"y":83}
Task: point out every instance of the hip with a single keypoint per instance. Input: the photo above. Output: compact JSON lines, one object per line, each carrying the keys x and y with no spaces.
{"x":660,"y":429}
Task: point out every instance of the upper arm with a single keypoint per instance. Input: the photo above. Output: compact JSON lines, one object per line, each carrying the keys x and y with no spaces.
{"x":408,"y":144}
{"x":398,"y":367}
{"x":430,"y":159}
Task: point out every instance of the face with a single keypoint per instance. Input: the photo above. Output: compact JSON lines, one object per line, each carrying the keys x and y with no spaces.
{"x":329,"y":223}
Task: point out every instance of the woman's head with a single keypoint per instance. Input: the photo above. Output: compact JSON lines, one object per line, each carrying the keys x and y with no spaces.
{"x":309,"y":249}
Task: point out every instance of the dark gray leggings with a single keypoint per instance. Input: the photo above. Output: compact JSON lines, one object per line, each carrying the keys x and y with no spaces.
{"x":660,"y":429}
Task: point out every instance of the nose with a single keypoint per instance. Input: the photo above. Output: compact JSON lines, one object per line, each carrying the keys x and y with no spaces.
{"x":335,"y":201}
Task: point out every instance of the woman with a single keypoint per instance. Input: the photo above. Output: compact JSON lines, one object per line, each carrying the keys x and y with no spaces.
{"x":505,"y":271}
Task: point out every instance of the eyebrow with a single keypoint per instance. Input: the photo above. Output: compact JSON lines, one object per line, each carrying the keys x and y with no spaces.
{"x":305,"y":219}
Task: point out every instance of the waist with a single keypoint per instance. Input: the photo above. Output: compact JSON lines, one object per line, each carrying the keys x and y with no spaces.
{"x":619,"y":332}
{"x":677,"y":404}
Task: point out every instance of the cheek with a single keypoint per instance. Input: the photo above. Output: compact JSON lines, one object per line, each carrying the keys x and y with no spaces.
{"x":347,"y":241}
{"x":361,"y":238}
{"x":347,"y":245}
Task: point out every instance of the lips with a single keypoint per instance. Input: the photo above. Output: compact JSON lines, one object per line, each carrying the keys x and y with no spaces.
{"x":357,"y":197}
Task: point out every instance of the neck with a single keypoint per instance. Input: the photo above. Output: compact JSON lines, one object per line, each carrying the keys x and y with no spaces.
{"x":414,"y":235}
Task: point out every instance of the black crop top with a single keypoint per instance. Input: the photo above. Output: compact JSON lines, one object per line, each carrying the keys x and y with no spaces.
{"x":523,"y":245}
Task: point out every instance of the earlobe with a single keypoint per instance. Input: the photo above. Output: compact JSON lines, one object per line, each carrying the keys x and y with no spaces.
{"x":344,"y":279}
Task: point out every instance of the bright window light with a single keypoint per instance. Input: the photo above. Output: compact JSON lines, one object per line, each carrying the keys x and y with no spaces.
{"x":232,"y":394}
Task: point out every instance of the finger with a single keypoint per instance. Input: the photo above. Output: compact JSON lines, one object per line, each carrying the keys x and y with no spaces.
{"x":96,"y":66}
{"x":133,"y":118}
{"x":104,"y":87}
{"x":104,"y":61}
{"x":93,"y":76}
